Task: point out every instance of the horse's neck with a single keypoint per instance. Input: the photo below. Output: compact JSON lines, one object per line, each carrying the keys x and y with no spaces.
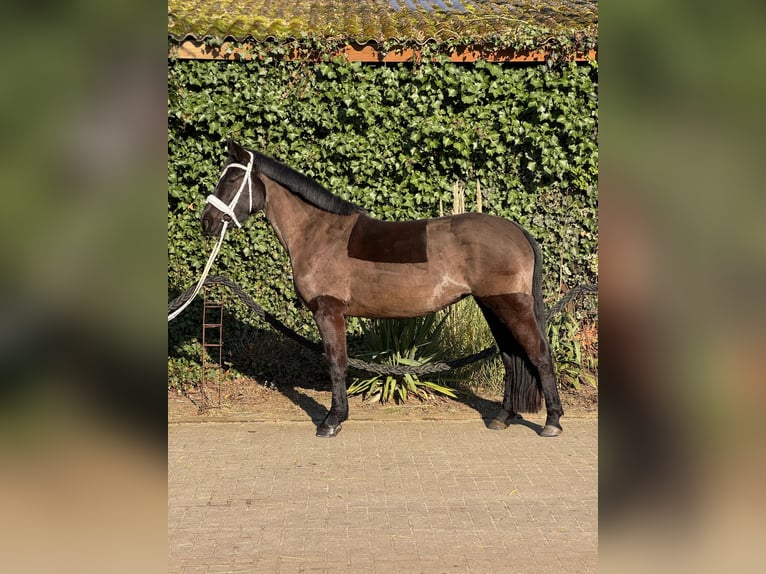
{"x":289,"y":215}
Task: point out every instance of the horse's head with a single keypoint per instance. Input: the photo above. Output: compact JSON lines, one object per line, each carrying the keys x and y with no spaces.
{"x":239,"y":192}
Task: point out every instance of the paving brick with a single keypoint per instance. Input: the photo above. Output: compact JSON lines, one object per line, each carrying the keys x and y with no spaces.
{"x":384,"y":496}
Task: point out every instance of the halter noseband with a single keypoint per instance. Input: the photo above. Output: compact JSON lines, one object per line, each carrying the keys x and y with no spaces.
{"x":229,"y":209}
{"x":226,"y":210}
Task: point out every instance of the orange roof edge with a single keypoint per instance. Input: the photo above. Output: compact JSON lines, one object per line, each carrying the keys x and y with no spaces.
{"x":194,"y":50}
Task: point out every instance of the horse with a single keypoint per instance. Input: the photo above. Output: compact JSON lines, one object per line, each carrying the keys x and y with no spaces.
{"x":348,"y":264}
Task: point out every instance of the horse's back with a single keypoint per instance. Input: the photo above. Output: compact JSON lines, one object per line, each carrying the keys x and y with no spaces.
{"x":388,"y":241}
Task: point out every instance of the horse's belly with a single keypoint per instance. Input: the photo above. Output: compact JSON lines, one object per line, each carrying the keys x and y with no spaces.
{"x":401,"y":290}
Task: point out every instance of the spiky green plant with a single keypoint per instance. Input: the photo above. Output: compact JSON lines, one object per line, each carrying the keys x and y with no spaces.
{"x":465,"y":332}
{"x":408,"y":342}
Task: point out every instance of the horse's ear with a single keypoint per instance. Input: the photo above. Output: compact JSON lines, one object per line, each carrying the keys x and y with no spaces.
{"x":236,"y":151}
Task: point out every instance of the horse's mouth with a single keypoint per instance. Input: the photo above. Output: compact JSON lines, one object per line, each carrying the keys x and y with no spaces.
{"x":210,"y":226}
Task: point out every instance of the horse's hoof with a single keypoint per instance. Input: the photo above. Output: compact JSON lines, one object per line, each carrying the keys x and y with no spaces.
{"x":497,"y":424}
{"x":328,"y":431}
{"x":503,"y":421}
{"x":550,"y":430}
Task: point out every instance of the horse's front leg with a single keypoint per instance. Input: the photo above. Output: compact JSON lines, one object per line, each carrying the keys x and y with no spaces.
{"x":329,"y":313}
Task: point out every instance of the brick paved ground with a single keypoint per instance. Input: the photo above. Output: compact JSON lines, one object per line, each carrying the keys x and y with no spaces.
{"x":383,"y":497}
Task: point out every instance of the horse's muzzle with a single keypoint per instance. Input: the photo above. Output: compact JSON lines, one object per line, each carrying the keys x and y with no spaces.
{"x":210,"y":226}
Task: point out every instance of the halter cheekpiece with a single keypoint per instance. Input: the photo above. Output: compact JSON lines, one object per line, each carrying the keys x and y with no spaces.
{"x":229,"y":209}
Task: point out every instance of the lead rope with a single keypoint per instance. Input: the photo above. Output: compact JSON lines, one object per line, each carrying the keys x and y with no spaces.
{"x":226,"y":210}
{"x":208,"y":265}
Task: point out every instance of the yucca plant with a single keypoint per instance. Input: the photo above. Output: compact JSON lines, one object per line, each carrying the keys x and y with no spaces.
{"x":408,"y":342}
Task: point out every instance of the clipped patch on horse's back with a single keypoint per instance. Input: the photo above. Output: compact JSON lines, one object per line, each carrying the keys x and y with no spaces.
{"x":388,"y":241}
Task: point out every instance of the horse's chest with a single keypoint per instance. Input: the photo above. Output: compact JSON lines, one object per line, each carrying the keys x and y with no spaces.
{"x":388,"y":242}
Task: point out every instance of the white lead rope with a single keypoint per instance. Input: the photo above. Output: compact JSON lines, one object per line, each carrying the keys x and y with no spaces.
{"x":226,"y":210}
{"x":208,"y":265}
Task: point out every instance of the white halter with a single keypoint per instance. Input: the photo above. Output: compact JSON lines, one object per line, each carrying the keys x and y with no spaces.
{"x":229,"y":209}
{"x":226,"y":210}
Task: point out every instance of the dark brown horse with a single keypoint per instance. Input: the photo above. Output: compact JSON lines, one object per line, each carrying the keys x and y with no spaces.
{"x":346,"y":264}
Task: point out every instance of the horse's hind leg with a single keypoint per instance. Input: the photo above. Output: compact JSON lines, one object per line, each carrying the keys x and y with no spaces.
{"x":508,"y":348}
{"x":516,"y":312}
{"x":329,"y":316}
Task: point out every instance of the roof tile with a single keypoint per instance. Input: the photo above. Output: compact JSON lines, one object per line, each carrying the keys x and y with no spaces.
{"x":377,"y":20}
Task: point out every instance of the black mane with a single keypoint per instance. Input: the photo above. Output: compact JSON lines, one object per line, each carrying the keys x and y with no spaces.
{"x":304,"y":186}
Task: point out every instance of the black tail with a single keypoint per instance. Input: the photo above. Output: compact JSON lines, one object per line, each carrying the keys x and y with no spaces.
{"x":526,"y":388}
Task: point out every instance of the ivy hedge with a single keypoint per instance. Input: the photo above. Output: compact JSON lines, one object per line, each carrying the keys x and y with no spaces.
{"x":395,"y":139}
